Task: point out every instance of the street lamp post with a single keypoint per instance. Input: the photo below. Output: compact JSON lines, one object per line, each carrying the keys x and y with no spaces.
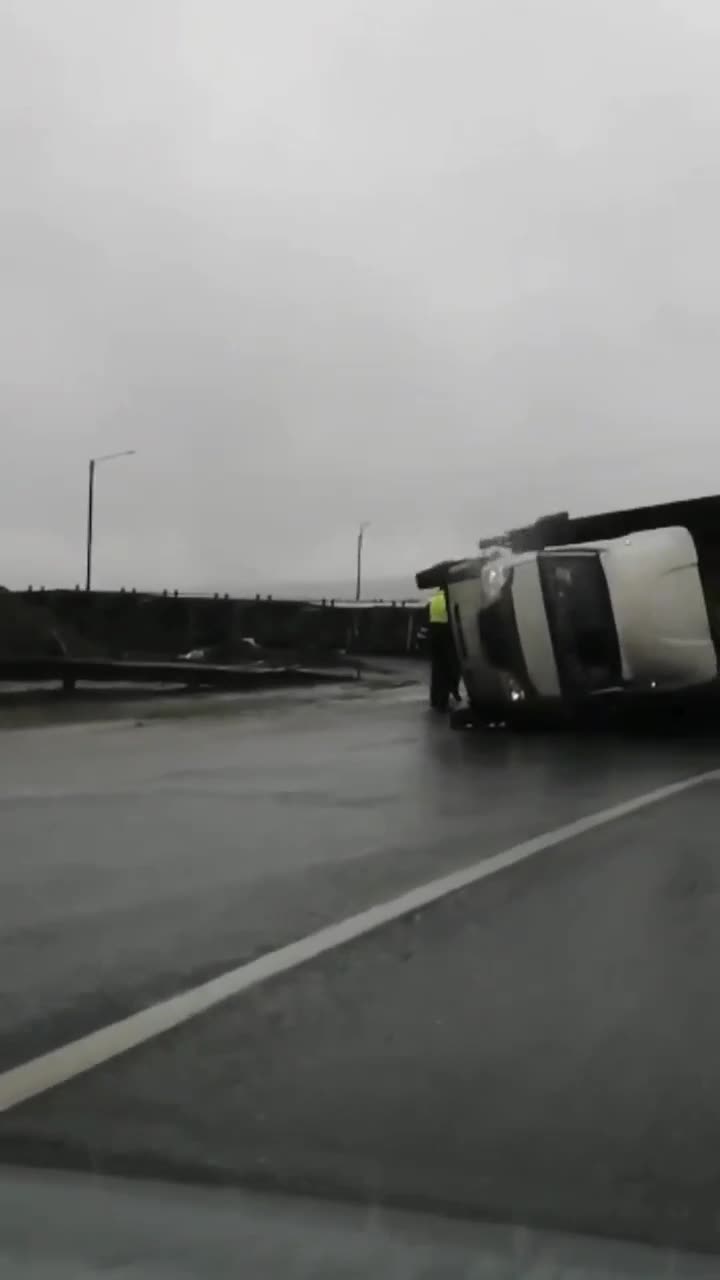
{"x":93,"y":465}
{"x":360,"y":539}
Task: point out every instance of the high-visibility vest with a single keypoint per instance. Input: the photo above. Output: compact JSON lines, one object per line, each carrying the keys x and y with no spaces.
{"x":438,"y":608}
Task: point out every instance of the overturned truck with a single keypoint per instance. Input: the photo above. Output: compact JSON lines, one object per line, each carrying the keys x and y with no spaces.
{"x":589,"y":618}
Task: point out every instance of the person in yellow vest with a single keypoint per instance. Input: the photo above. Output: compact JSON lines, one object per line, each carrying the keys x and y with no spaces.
{"x":444,"y":675}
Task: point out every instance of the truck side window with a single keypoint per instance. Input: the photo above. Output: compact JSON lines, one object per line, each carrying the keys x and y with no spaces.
{"x":581,"y":621}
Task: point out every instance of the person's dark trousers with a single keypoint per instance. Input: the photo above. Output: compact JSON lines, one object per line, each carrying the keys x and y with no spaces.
{"x":443,"y":679}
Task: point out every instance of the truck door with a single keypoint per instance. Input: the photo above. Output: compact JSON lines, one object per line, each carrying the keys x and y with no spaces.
{"x":581,"y":621}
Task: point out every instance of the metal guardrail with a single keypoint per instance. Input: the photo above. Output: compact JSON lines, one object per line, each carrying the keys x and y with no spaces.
{"x":70,"y":671}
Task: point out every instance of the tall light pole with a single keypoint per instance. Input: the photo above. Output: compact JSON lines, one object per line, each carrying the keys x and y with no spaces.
{"x":360,"y":539}
{"x":94,"y":463}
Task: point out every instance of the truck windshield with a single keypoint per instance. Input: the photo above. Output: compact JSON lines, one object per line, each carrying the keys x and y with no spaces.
{"x":581,"y":621}
{"x":500,"y":637}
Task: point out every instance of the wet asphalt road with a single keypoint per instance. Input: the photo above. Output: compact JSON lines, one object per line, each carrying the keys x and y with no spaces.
{"x":543,"y":1047}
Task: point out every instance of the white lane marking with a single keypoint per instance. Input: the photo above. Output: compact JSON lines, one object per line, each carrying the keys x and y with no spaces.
{"x":60,"y":1065}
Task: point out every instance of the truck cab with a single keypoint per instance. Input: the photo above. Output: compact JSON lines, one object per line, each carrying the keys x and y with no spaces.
{"x":565,"y":624}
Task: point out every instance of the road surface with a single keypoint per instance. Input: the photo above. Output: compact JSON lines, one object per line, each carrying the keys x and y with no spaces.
{"x":540,"y":1046}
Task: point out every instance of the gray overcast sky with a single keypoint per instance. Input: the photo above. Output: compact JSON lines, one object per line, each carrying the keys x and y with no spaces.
{"x":436,"y":264}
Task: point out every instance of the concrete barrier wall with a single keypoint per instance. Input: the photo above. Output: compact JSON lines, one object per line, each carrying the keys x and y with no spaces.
{"x":129,"y":623}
